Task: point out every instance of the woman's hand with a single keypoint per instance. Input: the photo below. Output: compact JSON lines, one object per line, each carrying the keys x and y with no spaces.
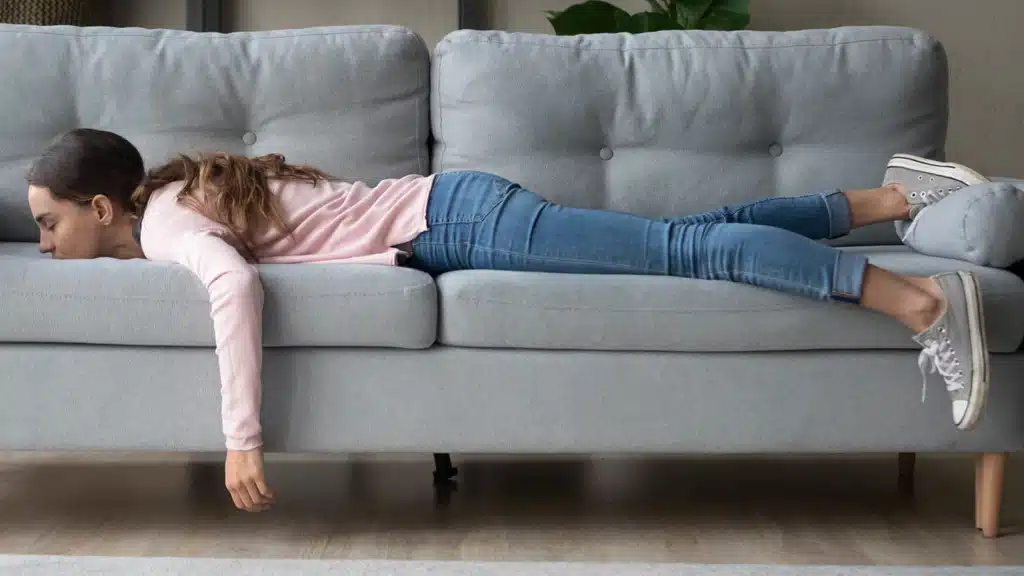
{"x":244,"y":480}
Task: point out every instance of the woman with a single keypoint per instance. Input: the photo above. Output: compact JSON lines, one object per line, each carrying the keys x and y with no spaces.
{"x":219,"y":214}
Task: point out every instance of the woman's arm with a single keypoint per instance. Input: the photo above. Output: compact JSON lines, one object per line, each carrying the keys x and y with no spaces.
{"x":236,"y":307}
{"x":174,"y":233}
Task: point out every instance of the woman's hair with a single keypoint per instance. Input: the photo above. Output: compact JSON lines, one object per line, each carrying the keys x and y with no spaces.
{"x":235,"y":190}
{"x":84,"y":163}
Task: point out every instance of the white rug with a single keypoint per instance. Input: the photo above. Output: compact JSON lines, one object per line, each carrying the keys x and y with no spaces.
{"x":48,"y":565}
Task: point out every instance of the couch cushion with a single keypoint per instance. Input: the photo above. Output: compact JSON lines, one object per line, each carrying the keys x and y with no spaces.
{"x":147,"y":303}
{"x":353,"y":101}
{"x":979,"y":224}
{"x":675,"y":123}
{"x":552,"y":311}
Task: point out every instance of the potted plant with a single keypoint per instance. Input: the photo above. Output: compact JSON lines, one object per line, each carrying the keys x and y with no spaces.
{"x":598,"y":16}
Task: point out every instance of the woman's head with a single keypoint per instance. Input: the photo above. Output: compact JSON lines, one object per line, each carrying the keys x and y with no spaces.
{"x":80,"y":192}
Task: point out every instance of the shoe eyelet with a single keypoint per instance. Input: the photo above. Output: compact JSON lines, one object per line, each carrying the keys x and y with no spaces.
{"x":920,"y":177}
{"x":913,"y":194}
{"x":932,"y":179}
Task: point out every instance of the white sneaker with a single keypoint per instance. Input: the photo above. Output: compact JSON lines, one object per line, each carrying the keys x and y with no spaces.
{"x":928,"y":181}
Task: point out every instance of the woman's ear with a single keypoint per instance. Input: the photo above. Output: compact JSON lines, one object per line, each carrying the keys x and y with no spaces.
{"x":104,"y":209}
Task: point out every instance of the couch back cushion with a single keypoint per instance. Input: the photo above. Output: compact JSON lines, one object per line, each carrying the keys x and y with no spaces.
{"x":675,"y":123}
{"x":350,"y":100}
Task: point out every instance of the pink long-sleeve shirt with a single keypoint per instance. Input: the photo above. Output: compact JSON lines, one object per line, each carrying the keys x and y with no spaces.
{"x":330,"y":222}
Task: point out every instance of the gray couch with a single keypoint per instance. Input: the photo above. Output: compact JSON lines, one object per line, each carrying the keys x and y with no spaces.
{"x":118,"y":355}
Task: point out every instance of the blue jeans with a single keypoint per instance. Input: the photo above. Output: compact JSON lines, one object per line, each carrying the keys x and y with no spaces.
{"x":481,"y":221}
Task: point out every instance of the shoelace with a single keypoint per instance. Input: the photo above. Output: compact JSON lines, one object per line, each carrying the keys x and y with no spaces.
{"x":930,"y":197}
{"x":933,"y":196}
{"x":913,"y":226}
{"x":938,"y":356}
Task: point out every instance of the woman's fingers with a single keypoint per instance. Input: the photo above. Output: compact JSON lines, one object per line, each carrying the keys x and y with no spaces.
{"x":244,"y":480}
{"x":242,"y":493}
{"x":235,"y":499}
{"x":257,"y":499}
{"x":264,"y":489}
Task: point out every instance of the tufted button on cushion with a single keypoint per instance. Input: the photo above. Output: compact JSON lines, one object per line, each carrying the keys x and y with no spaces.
{"x":607,"y":153}
{"x":249,"y":138}
{"x":775,"y":150}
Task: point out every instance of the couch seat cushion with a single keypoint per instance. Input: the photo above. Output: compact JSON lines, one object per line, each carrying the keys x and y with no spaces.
{"x":159,"y":304}
{"x":647,"y":313}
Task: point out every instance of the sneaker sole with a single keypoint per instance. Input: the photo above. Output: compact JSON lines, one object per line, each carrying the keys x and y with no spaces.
{"x":957,"y":172}
{"x":979,"y":352}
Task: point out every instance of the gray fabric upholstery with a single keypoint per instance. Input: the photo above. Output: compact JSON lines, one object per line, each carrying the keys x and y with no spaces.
{"x":143,"y":303}
{"x":675,"y":123}
{"x":981,"y":224}
{"x":351,"y":100}
{"x":492,"y":309}
{"x":499,"y":401}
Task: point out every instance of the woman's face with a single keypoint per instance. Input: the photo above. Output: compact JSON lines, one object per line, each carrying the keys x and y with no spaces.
{"x":69,"y":230}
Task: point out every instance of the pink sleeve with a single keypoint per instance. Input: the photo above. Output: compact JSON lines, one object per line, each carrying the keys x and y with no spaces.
{"x":236,"y":306}
{"x":236,"y":301}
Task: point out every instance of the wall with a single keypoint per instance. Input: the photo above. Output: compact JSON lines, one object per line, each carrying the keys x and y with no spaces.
{"x":142,"y":13}
{"x":431,"y":19}
{"x":983,"y":39}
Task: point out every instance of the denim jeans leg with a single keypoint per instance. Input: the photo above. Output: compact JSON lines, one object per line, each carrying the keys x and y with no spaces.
{"x":479,"y":221}
{"x":816,"y":216}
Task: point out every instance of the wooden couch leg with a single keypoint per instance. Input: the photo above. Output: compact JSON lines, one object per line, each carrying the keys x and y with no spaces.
{"x":988,"y":492}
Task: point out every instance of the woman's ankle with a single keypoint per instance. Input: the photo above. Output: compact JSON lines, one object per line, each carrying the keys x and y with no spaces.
{"x":926,"y":284}
{"x":916,"y":302}
{"x":922,"y":311}
{"x":886,"y":204}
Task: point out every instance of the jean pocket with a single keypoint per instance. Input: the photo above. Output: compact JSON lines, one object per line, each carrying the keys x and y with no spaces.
{"x":466,"y":197}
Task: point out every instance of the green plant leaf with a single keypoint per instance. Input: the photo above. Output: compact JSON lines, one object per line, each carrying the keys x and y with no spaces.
{"x":651,"y":22}
{"x":737,"y":6}
{"x":690,"y":12}
{"x":590,"y":17}
{"x":727,"y":15}
{"x":723,"y":20}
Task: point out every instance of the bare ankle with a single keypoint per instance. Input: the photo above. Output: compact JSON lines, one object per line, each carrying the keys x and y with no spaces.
{"x":886,"y":204}
{"x":922,"y":311}
{"x":928,"y":285}
{"x":897,"y":200}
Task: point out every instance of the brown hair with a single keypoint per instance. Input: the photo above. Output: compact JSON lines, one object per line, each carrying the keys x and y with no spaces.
{"x":84,"y":163}
{"x":234,"y":189}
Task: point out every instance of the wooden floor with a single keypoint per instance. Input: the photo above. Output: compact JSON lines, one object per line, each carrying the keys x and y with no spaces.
{"x":714,"y":510}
